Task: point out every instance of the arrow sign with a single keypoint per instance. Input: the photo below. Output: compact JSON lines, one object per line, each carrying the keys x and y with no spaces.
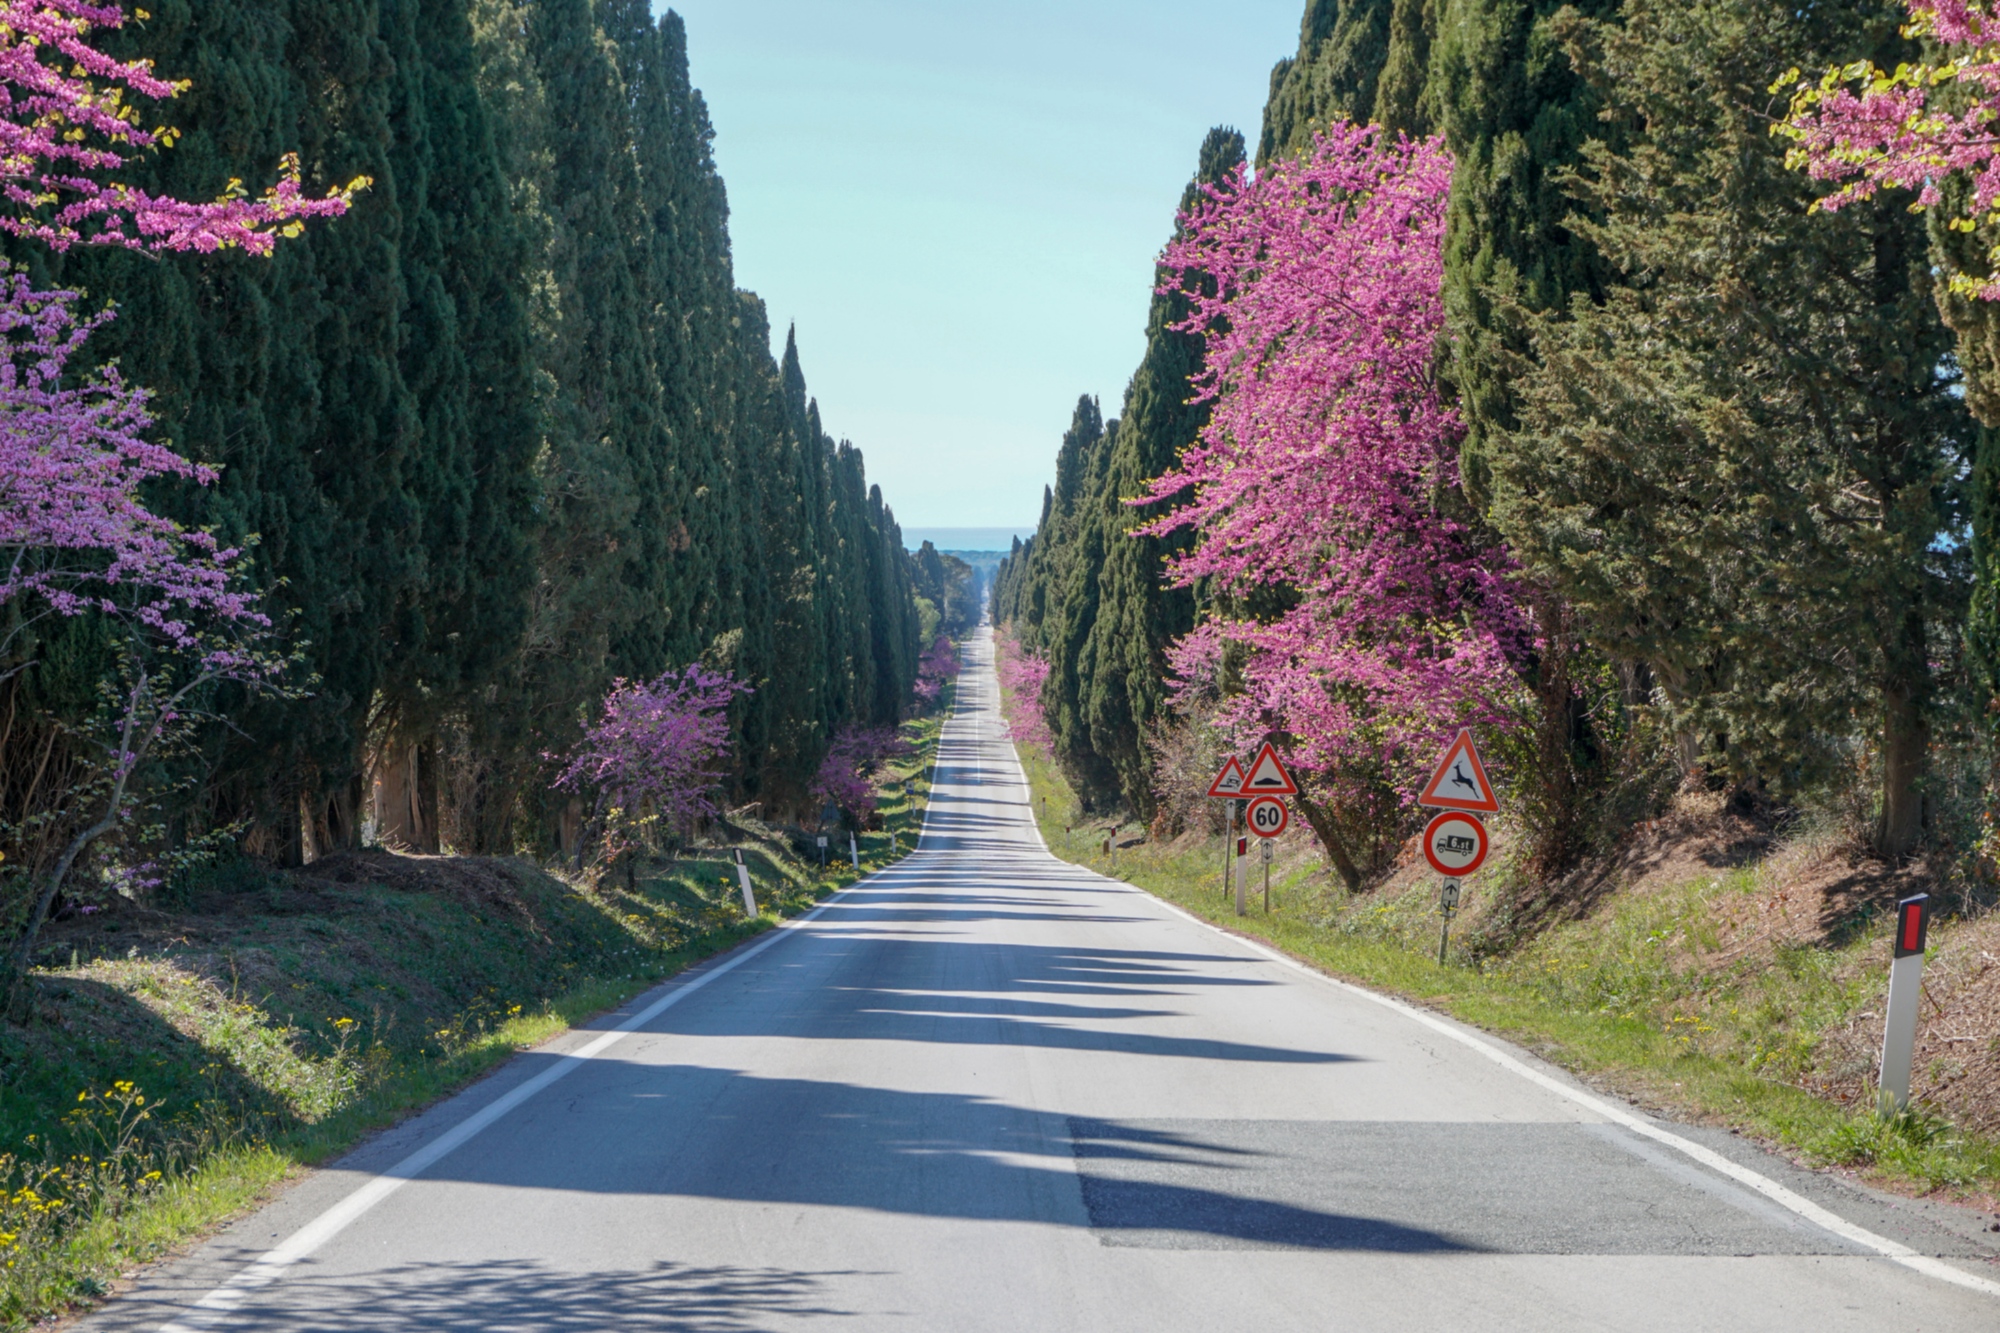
{"x":1268,"y":776}
{"x":1229,"y":782}
{"x":1460,"y":782}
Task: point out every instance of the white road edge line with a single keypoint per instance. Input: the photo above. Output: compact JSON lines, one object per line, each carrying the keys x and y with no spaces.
{"x":220,"y":1303}
{"x":1785,"y":1198}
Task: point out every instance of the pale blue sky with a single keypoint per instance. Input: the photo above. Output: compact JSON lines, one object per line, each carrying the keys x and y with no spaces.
{"x":959,"y":204}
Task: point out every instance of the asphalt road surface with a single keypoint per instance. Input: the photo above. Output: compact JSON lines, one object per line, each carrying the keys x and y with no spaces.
{"x":988,"y":1090}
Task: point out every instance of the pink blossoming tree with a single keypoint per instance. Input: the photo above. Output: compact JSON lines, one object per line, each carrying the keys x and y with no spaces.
{"x":1328,"y":473}
{"x":846,"y":777}
{"x":654,"y":759}
{"x":76,"y":536}
{"x":1918,"y":127}
{"x":1022,"y":676}
{"x":937,"y":668}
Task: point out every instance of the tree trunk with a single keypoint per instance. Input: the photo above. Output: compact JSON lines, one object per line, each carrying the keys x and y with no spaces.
{"x":405,"y":815}
{"x":1329,"y":838}
{"x":1906,"y":743}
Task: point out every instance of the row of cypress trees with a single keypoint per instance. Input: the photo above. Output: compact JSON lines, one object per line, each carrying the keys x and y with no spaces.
{"x":506,"y":432}
{"x":1725,"y":434}
{"x":1084,"y":591}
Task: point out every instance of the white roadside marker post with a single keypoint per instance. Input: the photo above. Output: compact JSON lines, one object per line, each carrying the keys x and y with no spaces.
{"x":854,"y":853}
{"x":743,"y":879}
{"x":1242,"y":872}
{"x":1906,"y":994}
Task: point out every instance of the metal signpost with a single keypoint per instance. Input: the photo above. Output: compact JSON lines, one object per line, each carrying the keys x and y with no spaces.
{"x":1906,"y":993}
{"x":1268,"y":845}
{"x":1228,"y":785}
{"x":1267,"y":817}
{"x":1448,"y":907}
{"x":1455,"y":841}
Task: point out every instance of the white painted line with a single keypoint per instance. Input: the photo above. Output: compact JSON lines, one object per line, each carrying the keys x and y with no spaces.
{"x":268,"y":1267}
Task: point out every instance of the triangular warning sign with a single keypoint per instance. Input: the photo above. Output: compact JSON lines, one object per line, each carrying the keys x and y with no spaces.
{"x":1229,"y":782}
{"x":1460,"y":782}
{"x":1268,"y":776}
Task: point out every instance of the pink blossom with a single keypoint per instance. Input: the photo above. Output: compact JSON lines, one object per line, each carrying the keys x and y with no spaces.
{"x":1022,"y":675}
{"x":64,"y":115}
{"x":1328,"y":467}
{"x":656,"y":753}
{"x":73,"y":530}
{"x":937,"y":668}
{"x":846,"y":776}
{"x":1893,"y":130}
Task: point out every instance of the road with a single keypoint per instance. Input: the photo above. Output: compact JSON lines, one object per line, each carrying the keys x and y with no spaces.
{"x":986,"y":1090}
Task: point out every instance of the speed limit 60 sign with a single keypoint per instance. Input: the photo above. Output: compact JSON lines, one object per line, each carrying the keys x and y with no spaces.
{"x":1267,"y":816}
{"x":1455,"y":844}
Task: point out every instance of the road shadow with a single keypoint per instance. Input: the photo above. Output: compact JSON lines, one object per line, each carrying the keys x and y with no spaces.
{"x":696,"y":1131}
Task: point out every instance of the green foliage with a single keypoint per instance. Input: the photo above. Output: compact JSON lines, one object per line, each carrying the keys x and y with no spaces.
{"x":504,"y":433}
{"x":1741,"y":464}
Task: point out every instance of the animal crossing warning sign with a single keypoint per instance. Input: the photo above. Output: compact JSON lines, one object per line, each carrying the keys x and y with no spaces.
{"x":1460,"y":782}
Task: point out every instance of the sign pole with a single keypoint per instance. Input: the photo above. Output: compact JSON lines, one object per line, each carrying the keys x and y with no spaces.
{"x":1228,"y":836}
{"x":1906,"y":993}
{"x":1242,"y":875}
{"x":1267,"y":877}
{"x":1448,"y":905}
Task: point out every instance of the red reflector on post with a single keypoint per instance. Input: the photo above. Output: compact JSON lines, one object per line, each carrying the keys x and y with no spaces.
{"x":1912,"y":922}
{"x":1242,"y":846}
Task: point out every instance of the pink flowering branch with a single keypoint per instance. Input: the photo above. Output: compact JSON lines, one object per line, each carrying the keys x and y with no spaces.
{"x":75,"y":536}
{"x":1328,"y":467}
{"x":655,"y":756}
{"x":65,"y":118}
{"x":1914,"y":128}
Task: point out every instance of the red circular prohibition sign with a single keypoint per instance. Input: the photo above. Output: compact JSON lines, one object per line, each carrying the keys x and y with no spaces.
{"x":1250,"y":817}
{"x":1455,"y":844}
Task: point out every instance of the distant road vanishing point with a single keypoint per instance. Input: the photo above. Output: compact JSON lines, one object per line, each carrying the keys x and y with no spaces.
{"x":988,"y":1090}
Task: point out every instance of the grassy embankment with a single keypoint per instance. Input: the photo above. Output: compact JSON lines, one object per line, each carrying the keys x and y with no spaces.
{"x":178,"y":1064}
{"x":1648,"y":995}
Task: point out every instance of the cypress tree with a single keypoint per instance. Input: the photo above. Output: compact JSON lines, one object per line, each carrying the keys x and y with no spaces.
{"x":1138,"y":616}
{"x":1742,"y":466}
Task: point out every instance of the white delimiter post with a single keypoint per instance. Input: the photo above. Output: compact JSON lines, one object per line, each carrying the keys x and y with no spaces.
{"x":743,"y":878}
{"x":1242,"y":873}
{"x":1906,"y":994}
{"x":853,"y":852}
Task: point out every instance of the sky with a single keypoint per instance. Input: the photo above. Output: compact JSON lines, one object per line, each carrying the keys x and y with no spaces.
{"x":959,"y":204}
